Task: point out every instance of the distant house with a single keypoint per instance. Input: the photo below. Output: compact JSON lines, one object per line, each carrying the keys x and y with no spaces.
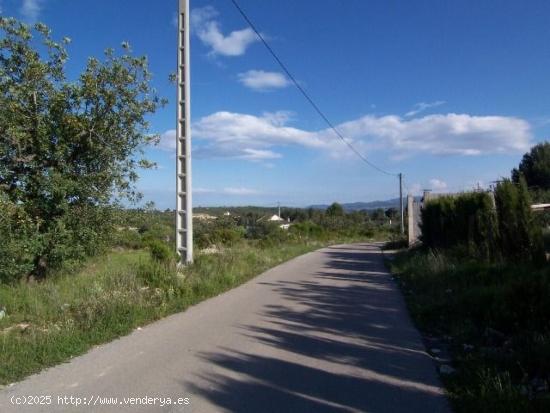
{"x":277,"y":219}
{"x":204,"y":217}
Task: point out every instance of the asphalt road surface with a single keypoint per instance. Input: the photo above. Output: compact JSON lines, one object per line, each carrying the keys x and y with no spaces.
{"x":325,"y":332}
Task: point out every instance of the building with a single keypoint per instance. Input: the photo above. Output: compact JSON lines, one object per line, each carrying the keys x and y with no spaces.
{"x":276,"y":218}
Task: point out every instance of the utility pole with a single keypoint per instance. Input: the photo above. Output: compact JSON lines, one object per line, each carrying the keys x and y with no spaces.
{"x":184,"y":211}
{"x":401,"y":203}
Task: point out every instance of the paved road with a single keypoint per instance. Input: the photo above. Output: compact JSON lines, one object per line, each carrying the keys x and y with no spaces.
{"x":326,"y":332}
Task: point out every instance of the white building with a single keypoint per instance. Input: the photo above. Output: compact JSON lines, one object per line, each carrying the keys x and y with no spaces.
{"x":277,"y":219}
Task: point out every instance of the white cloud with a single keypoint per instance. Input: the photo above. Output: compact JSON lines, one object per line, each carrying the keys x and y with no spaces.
{"x":30,"y":9}
{"x":167,"y":140}
{"x":422,"y":106}
{"x":209,"y":32}
{"x":259,"y":154}
{"x":241,"y":191}
{"x":437,"y":184}
{"x":443,"y":134}
{"x":458,"y":134}
{"x":261,"y":80}
{"x":238,"y":129}
{"x":256,"y":138}
{"x":243,"y":136}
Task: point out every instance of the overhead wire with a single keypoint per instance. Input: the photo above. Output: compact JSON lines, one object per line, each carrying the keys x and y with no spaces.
{"x":306,"y":95}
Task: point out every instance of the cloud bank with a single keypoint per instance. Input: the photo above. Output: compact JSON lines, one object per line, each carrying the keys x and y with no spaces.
{"x":256,"y":138}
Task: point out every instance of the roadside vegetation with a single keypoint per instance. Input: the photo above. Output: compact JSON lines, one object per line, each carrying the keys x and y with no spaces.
{"x":480,"y":286}
{"x":135,"y":281}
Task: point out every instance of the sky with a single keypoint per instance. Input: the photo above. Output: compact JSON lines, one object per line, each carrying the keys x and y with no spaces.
{"x":450,"y":94}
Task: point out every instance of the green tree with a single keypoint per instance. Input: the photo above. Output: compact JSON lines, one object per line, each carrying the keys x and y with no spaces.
{"x":68,"y":148}
{"x":335,"y":210}
{"x":378,"y":215}
{"x":535,"y":167}
{"x":392,"y":213}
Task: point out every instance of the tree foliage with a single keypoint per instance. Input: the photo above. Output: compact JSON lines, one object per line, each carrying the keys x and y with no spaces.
{"x":335,"y":210}
{"x":535,"y":167}
{"x":68,"y":147}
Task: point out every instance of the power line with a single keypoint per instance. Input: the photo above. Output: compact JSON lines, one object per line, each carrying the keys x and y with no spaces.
{"x":306,"y":95}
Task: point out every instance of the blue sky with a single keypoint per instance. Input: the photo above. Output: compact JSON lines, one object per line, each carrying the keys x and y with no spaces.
{"x":448,"y":93}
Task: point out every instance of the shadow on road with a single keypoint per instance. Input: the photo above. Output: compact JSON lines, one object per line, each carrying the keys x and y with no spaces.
{"x":357,"y":348}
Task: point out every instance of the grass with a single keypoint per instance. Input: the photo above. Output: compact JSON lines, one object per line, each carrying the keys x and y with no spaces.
{"x":496,"y":321}
{"x":49,"y":322}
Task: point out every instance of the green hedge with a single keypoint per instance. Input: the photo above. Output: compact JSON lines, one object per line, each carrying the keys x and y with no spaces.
{"x":520,"y":234}
{"x":487,"y":229}
{"x":466,"y":220}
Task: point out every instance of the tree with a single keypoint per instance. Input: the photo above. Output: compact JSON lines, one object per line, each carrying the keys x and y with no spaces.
{"x":68,"y":148}
{"x":378,"y":215}
{"x":391,"y":213}
{"x":335,"y":210}
{"x":535,"y":167}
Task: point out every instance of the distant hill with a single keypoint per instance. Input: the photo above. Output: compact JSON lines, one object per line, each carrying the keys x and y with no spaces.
{"x":349,"y":207}
{"x":358,"y":206}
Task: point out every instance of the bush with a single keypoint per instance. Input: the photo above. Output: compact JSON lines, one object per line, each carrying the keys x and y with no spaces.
{"x":308,"y":229}
{"x":219,"y":232}
{"x":160,"y":252}
{"x":264,"y":230}
{"x":126,"y":238}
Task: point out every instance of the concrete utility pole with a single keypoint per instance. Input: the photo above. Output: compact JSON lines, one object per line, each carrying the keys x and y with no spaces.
{"x":401,"y":203}
{"x":184,"y":211}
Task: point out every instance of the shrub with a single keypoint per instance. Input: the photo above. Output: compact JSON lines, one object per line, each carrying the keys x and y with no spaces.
{"x":160,"y":252}
{"x":264,"y":230}
{"x":219,"y":232}
{"x":308,"y":229}
{"x":158,"y":232}
{"x":126,"y":238}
